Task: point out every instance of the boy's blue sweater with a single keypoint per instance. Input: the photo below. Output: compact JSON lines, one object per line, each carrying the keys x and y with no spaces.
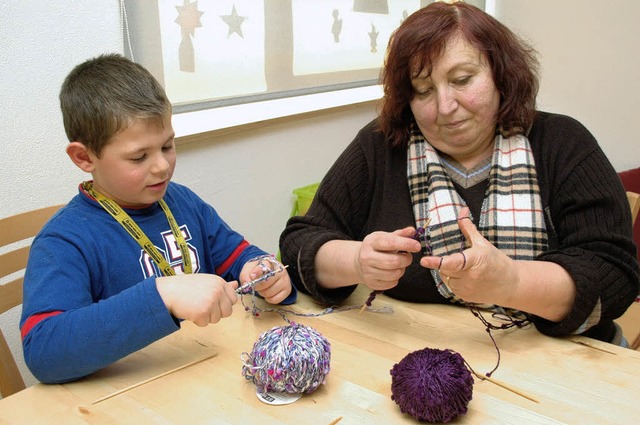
{"x":90,"y":295}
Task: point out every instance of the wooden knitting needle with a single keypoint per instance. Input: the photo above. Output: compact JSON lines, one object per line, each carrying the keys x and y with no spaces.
{"x":591,"y":345}
{"x":336,"y":420}
{"x":130,"y":387}
{"x":507,"y":387}
{"x":371,"y":297}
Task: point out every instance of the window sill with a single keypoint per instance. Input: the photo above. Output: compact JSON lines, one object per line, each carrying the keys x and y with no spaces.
{"x":201,"y":125}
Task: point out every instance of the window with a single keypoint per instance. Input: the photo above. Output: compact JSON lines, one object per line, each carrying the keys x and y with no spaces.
{"x":215,"y":54}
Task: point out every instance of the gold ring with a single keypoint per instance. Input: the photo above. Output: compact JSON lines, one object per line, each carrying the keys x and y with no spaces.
{"x":447,"y":281}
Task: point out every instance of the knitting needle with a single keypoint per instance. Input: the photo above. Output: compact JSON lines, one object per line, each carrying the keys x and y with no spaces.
{"x":130,"y":387}
{"x":336,"y":420}
{"x":591,"y":345}
{"x":248,"y":285}
{"x":507,"y":387}
{"x":369,"y":300}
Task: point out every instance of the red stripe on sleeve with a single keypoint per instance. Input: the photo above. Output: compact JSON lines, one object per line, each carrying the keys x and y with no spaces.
{"x":34,"y":320}
{"x":230,"y":260}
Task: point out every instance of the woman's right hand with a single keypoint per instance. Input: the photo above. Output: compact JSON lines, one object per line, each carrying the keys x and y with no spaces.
{"x":379,"y":261}
{"x":383,"y":257}
{"x":200,"y":298}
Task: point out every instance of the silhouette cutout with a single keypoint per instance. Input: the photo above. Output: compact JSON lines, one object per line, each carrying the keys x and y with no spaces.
{"x":336,"y":28}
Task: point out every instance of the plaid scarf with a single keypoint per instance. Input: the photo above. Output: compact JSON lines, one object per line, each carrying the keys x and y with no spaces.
{"x":511,"y":216}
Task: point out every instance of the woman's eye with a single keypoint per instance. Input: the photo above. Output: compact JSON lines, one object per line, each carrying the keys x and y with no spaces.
{"x":139,"y":158}
{"x":462,"y":80}
{"x":425,"y":92}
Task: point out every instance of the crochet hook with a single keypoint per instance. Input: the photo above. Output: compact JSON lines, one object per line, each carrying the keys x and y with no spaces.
{"x":245,"y":287}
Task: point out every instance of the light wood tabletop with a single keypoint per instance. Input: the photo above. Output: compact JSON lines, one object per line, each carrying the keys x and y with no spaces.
{"x":571,"y":383}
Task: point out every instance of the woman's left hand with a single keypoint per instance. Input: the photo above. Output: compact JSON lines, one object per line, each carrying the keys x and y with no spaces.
{"x":479,"y":274}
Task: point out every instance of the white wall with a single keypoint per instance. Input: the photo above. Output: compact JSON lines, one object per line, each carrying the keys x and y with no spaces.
{"x":41,"y":42}
{"x":249,"y":176}
{"x":590,"y":70}
{"x":590,"y":56}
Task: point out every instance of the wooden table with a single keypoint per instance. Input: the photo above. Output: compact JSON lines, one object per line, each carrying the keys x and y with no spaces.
{"x":572,"y":383}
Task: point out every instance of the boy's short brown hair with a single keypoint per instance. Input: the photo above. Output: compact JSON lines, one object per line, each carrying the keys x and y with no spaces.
{"x":101,"y":96}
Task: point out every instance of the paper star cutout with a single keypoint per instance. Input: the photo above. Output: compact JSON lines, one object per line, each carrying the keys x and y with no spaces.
{"x":189,"y":17}
{"x":234,"y":21}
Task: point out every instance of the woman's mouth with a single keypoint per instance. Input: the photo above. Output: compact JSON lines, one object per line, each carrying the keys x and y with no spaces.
{"x":454,"y":125}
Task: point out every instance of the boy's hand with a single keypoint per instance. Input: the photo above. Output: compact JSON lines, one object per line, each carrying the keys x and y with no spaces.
{"x":200,"y":298}
{"x":275,"y":289}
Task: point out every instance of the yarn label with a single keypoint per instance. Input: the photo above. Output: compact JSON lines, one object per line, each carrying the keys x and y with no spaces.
{"x":278,"y":399}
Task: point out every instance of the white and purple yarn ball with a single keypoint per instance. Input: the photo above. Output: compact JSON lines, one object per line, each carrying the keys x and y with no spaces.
{"x":432,"y":385}
{"x":291,"y":359}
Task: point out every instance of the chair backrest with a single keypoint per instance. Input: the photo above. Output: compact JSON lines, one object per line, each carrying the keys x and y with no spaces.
{"x":15,"y":241}
{"x":634,"y":202}
{"x":630,"y":320}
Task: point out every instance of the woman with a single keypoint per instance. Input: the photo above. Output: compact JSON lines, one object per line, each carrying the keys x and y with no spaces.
{"x":521,"y":208}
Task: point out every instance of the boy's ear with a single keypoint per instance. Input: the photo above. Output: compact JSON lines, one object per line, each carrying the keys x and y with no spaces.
{"x":81,"y":156}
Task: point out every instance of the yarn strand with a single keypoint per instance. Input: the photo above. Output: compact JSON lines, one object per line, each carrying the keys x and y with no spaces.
{"x":282,"y":311}
{"x":510,"y":322}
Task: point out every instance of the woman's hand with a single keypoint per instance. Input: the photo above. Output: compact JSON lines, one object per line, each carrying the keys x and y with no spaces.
{"x":383,"y":257}
{"x":379,"y":261}
{"x":479,"y":274}
{"x":483,"y":274}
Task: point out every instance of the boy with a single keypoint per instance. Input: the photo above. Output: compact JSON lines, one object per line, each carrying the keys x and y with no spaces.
{"x":133,"y":253}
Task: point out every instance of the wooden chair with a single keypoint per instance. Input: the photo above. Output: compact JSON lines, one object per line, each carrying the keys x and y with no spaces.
{"x":630,"y":320}
{"x":634,"y":202}
{"x":15,"y":241}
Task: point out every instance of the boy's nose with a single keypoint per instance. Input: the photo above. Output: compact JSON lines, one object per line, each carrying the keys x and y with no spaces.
{"x":160,"y":165}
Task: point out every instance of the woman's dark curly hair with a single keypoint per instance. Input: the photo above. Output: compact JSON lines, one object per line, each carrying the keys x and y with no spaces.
{"x":420,"y":41}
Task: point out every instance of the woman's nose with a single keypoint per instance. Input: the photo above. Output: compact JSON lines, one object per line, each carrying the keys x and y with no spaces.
{"x":447,"y":102}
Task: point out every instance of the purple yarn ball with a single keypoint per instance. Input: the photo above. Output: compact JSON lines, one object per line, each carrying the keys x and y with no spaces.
{"x":432,"y":385}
